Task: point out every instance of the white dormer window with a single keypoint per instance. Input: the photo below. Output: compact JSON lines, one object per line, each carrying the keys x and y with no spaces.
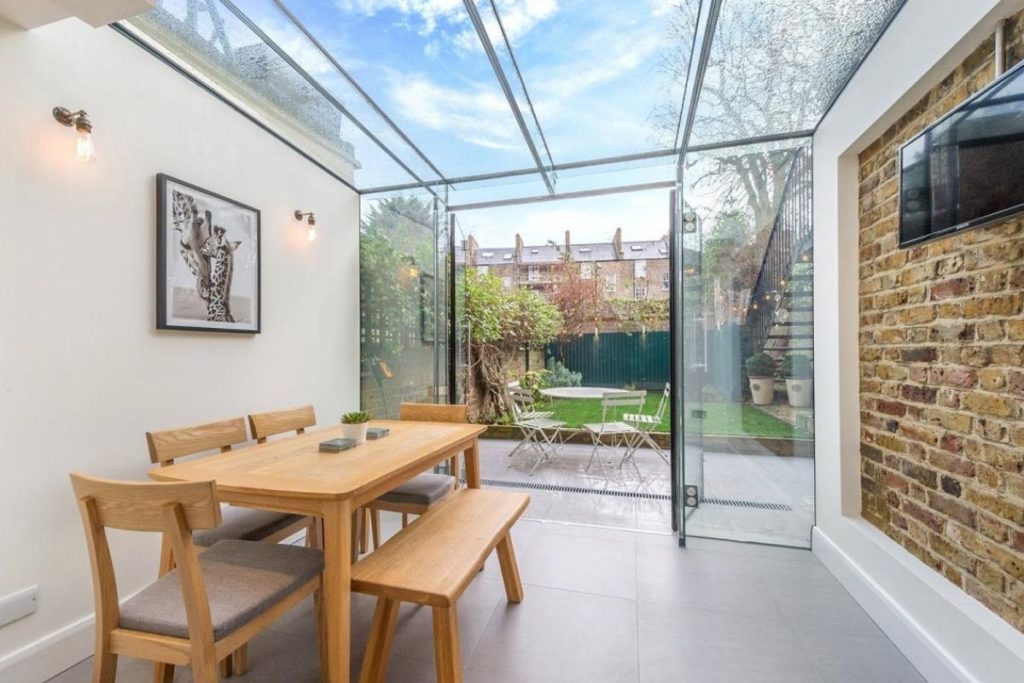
{"x":585,"y":250}
{"x":487,"y":254}
{"x":587,"y":271}
{"x":507,"y":257}
{"x":663,"y":251}
{"x":636,"y":247}
{"x":639,"y":268}
{"x":535,"y":251}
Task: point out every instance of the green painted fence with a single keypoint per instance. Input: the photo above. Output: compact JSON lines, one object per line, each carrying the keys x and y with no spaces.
{"x":617,"y":359}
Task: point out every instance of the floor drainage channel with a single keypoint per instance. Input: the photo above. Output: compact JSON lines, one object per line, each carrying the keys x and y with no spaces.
{"x":538,"y":486}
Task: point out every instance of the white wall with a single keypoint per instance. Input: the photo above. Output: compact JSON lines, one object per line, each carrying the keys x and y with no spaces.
{"x":83,"y":372}
{"x":948,"y":635}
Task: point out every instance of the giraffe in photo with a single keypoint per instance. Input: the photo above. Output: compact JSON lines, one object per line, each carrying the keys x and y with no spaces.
{"x":193,"y":232}
{"x":220,"y":253}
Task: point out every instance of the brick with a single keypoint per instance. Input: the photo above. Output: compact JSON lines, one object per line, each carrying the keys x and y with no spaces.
{"x":948,"y":289}
{"x":991,"y":404}
{"x":1001,"y":506}
{"x":953,"y":376}
{"x":920,"y":473}
{"x":953,"y":509}
{"x":925,"y":354}
{"x":892,"y":408}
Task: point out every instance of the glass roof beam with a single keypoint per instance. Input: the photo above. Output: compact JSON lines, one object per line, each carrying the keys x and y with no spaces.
{"x":251,"y":25}
{"x":352,"y":81}
{"x":703,"y":37}
{"x":640,"y":187}
{"x":522,"y":82}
{"x":485,"y":42}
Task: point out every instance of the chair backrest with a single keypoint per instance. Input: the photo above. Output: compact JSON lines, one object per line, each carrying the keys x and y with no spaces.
{"x":281,"y":421}
{"x":166,"y":445}
{"x":433,"y":412}
{"x":666,"y":399}
{"x":621,"y":401}
{"x":521,"y":400}
{"x":175,"y":509}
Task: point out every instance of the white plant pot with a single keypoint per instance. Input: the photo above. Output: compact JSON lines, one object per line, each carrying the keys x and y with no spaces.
{"x":355,"y":431}
{"x":800,"y":392}
{"x":763,"y":390}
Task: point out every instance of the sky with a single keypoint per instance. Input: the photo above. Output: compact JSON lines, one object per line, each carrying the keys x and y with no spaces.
{"x":641,"y":215}
{"x":592,"y":68}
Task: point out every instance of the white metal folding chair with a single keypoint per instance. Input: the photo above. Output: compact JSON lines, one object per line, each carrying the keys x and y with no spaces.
{"x":541,"y":434}
{"x":621,"y":433}
{"x":645,"y":424}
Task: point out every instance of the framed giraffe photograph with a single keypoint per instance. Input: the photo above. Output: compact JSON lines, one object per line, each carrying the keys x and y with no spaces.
{"x":208,"y":260}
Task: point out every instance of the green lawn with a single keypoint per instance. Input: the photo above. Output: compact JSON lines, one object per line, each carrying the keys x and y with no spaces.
{"x":723,"y":419}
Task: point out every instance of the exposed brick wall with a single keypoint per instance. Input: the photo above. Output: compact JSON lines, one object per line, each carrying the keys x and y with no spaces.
{"x":942,"y":382}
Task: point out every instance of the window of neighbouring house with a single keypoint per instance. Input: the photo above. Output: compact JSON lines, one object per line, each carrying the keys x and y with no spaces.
{"x":506,"y":282}
{"x":639,"y":268}
{"x":587,"y":271}
{"x":611,"y":282}
{"x":640,"y":290}
{"x":533,"y":274}
{"x":666,"y":282}
{"x":483,"y":270}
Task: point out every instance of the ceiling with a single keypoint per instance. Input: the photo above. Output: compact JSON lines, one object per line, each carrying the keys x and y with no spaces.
{"x":491,"y":99}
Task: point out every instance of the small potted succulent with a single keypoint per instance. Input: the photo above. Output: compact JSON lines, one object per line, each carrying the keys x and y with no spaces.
{"x":354,"y":424}
{"x":761,"y":372}
{"x":796,"y":368}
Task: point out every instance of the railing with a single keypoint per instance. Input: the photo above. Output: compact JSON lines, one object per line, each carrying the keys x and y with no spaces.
{"x":790,"y":238}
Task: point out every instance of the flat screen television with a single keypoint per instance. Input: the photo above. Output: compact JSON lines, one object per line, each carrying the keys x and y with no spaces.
{"x":967,"y":169}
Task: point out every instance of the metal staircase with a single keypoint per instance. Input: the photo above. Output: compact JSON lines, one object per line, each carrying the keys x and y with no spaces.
{"x":780,"y":315}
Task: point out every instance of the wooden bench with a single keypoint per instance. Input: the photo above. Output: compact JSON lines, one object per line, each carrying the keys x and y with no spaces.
{"x":431,"y":562}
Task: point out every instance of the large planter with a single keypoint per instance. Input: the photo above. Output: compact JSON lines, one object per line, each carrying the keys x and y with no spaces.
{"x":800,"y":392}
{"x":355,"y":431}
{"x":763,"y":390}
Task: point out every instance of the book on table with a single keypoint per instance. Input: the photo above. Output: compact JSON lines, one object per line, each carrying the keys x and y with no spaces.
{"x":337,"y":445}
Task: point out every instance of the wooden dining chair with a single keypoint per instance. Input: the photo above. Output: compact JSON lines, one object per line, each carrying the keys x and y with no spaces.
{"x":281,"y":421}
{"x":206,"y":608}
{"x":239,"y":523}
{"x":419,"y":493}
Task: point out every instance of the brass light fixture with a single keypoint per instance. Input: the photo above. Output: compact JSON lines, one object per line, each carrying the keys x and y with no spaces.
{"x":79,"y":120}
{"x":310,"y":223}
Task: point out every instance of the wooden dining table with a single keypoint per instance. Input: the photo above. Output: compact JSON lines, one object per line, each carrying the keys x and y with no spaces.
{"x":292,"y":475}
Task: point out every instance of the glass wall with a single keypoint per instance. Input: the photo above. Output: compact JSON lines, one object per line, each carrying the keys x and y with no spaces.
{"x":747,"y":302}
{"x":403,"y":299}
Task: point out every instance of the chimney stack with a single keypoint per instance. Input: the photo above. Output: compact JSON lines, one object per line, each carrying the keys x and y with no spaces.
{"x":519,"y":247}
{"x":617,"y":242}
{"x":568,"y":244}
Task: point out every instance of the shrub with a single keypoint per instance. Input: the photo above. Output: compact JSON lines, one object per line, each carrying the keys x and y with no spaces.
{"x":797,"y":366}
{"x":761,"y":365}
{"x":355,"y":417}
{"x":557,"y":375}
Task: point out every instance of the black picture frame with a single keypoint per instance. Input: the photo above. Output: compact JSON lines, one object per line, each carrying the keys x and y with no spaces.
{"x":228,"y":228}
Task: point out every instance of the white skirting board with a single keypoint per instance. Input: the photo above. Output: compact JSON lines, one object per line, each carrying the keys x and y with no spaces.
{"x":48,"y":656}
{"x":992,"y":651}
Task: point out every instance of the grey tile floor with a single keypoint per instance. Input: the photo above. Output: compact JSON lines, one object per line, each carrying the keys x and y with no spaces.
{"x":605,"y":605}
{"x":731,"y":476}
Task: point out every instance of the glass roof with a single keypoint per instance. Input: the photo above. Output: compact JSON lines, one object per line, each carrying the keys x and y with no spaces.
{"x":432,"y":92}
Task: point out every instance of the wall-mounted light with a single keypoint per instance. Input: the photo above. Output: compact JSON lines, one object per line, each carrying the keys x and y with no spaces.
{"x":310,"y":223}
{"x":79,"y":120}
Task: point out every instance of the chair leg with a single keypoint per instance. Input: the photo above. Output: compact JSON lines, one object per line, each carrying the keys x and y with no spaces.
{"x":364,"y":531}
{"x":447,"y":657}
{"x":162,"y":673}
{"x":224,"y":667}
{"x":240,"y":660}
{"x":104,"y":667}
{"x":375,"y":527}
{"x":405,"y":519}
{"x":356,"y":518}
{"x":314,"y":534}
{"x":378,"y":648}
{"x":509,"y":570}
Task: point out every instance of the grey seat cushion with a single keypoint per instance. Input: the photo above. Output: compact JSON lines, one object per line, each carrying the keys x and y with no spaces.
{"x":420,"y":490}
{"x":244,"y":524}
{"x":243,"y":580}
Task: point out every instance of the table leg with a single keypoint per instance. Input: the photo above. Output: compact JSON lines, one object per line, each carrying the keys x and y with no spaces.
{"x":336,"y":607}
{"x":473,"y":465}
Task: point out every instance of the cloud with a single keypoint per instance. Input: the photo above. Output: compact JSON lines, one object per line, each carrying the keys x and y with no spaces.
{"x":476,"y":114}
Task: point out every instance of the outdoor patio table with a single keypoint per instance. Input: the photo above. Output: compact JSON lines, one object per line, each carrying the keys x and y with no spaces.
{"x":579,"y":392}
{"x":292,"y":475}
